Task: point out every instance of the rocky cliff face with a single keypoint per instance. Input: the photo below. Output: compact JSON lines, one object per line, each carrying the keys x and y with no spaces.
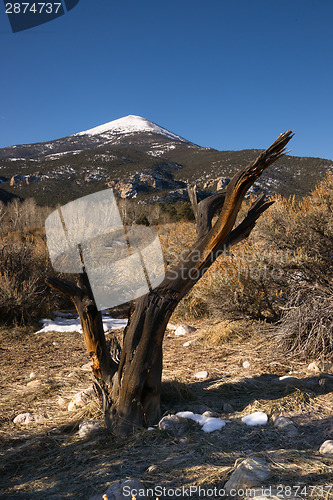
{"x":148,"y":182}
{"x":19,"y":178}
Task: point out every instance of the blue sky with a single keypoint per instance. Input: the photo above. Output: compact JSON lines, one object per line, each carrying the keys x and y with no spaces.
{"x":225,"y":74}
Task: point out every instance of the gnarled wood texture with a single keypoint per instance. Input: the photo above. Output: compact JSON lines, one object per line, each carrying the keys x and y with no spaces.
{"x":131,"y":389}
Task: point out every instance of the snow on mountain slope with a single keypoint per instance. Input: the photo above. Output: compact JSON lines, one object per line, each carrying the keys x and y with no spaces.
{"x":129,"y":125}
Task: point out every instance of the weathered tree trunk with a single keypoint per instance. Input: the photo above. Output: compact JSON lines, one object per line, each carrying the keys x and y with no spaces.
{"x":131,"y":389}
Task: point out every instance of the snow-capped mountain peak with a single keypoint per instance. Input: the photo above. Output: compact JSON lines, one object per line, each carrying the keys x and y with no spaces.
{"x":130,"y":124}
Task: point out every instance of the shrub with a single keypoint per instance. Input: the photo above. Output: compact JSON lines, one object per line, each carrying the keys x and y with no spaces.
{"x":191,"y":307}
{"x":306,"y":327}
{"x":23,"y":269}
{"x":179,"y":211}
{"x":303,"y":230}
{"x":241,"y":284}
{"x":24,"y":264}
{"x":291,"y":247}
{"x":142,"y":220}
{"x":18,"y":215}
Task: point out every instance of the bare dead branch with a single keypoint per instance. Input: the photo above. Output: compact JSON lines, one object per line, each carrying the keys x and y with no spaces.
{"x":204,"y":210}
{"x":244,"y":229}
{"x":180,"y":277}
{"x":65,"y":287}
{"x":240,"y":183}
{"x":207,"y":209}
{"x":192,"y":193}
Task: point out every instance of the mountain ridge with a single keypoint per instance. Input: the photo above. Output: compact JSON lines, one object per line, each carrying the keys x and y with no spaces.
{"x":142,"y":160}
{"x":130,"y":124}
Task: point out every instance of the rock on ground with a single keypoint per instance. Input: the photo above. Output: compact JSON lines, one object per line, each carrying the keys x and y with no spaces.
{"x":184,"y":330}
{"x":321,"y":367}
{"x":81,"y":399}
{"x":250,"y":473}
{"x":123,"y":490}
{"x":285,"y":424}
{"x":27,"y":418}
{"x":327,"y":448}
{"x":33,"y":384}
{"x":152,"y":468}
{"x":61,"y":401}
{"x":89,"y":427}
{"x":87,"y":367}
{"x":188,"y":343}
{"x":288,"y":379}
{"x":176,"y":425}
{"x":201,"y":375}
{"x":228,"y":408}
{"x":210,"y":413}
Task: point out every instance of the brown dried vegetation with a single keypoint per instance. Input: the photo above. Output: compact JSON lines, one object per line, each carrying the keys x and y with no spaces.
{"x":49,"y":460}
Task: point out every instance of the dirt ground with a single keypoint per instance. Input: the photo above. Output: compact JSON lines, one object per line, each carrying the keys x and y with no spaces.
{"x":48,"y":460}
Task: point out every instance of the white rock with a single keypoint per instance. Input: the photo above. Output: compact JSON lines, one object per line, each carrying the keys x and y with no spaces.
{"x":246,"y":364}
{"x":89,"y":428}
{"x":32,"y":375}
{"x":123,"y":490}
{"x":170,"y":326}
{"x":321,"y":367}
{"x":327,"y":448}
{"x":56,"y":344}
{"x":87,"y":367}
{"x":61,"y":401}
{"x":188,"y":343}
{"x":90,"y":392}
{"x":209,"y":413}
{"x":27,"y":418}
{"x":170,"y":422}
{"x":81,"y":399}
{"x":152,"y":468}
{"x":201,"y":375}
{"x":33,"y":384}
{"x":256,"y":418}
{"x":250,"y":473}
{"x":184,"y":330}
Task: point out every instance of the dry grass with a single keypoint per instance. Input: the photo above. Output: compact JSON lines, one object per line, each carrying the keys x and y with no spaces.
{"x":231,"y":331}
{"x":49,"y":459}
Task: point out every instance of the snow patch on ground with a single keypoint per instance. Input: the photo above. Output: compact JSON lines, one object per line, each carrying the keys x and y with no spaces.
{"x":256,"y":418}
{"x":55,"y":156}
{"x":66,"y":322}
{"x":209,"y":424}
{"x":158,"y":151}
